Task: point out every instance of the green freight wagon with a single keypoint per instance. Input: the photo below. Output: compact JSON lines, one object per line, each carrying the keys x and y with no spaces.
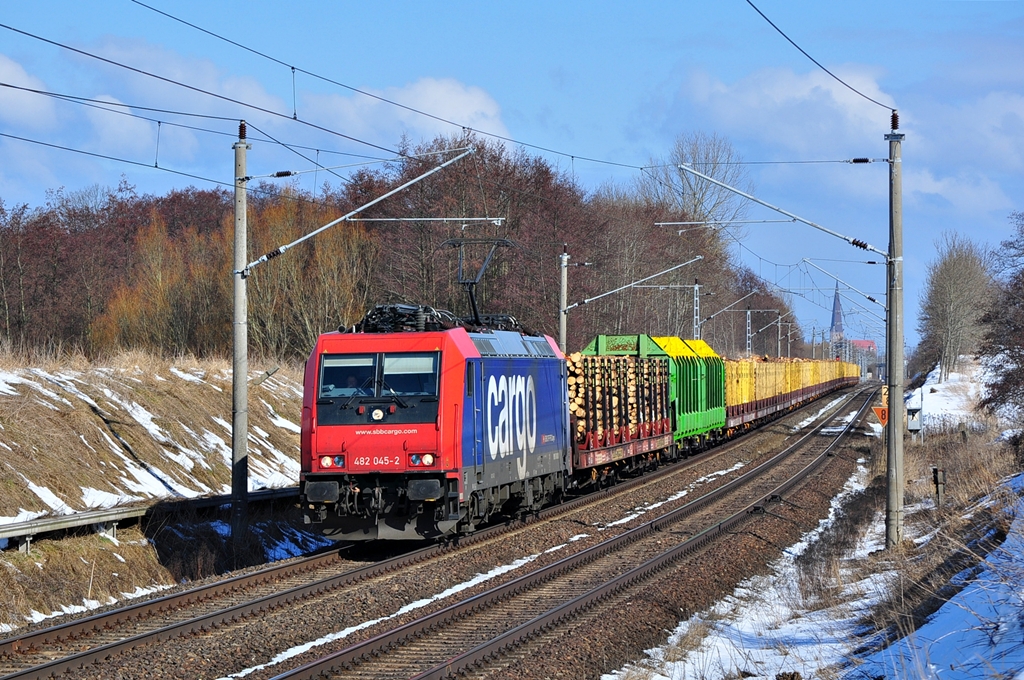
{"x":698,"y":391}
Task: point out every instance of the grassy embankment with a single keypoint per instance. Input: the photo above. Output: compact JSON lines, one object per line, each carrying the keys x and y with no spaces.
{"x":77,"y":434}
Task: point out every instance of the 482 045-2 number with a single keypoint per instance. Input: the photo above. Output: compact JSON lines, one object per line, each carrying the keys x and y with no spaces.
{"x":377,"y":461}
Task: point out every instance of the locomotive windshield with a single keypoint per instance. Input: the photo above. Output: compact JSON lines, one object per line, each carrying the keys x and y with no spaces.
{"x":354,"y":386}
{"x":379,"y":375}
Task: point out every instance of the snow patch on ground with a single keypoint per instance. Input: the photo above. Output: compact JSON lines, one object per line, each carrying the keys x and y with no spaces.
{"x":764,"y":627}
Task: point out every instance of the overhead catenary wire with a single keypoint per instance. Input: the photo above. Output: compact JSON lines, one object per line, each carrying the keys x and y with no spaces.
{"x":385,"y":100}
{"x":289,"y":173}
{"x":773,"y":287}
{"x":193,"y":88}
{"x":823,"y":161}
{"x":104,"y":105}
{"x":156,"y":161}
{"x":114,"y":107}
{"x":631,"y":285}
{"x":493,"y":220}
{"x":217,"y":182}
{"x":687,"y":167}
{"x":822,"y":290}
{"x":818,"y":64}
{"x":128,"y":161}
{"x":281,"y":249}
{"x":845,"y":283}
{"x":115,"y":159}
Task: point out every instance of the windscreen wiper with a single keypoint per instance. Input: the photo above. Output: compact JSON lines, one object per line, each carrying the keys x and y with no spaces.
{"x":394,"y":394}
{"x":357,"y":393}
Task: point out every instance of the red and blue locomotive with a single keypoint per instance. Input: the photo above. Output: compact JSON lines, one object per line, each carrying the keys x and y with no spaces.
{"x":417,"y":428}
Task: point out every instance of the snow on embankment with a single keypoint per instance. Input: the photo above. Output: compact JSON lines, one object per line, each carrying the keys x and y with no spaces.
{"x":79,"y":439}
{"x":953,"y":402}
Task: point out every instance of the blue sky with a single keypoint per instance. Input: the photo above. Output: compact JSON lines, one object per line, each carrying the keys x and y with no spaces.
{"x":616,"y":82}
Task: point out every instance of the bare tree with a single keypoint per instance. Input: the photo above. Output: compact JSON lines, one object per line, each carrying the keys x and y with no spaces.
{"x":665,"y":183}
{"x":958,"y":288}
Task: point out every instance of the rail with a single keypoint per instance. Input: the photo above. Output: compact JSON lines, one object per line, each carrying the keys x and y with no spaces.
{"x":350,"y":657}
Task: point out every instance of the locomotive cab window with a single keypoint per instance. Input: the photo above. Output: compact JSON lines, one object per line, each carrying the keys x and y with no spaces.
{"x":348,"y":375}
{"x":410,"y":375}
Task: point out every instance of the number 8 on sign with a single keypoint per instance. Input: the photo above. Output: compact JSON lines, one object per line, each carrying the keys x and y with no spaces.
{"x":883,"y":415}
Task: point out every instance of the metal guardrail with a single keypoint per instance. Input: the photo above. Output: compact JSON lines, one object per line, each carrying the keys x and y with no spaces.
{"x":105,"y":520}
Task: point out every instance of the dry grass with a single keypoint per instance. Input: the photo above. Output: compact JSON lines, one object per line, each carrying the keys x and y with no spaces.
{"x":973,"y":464}
{"x":638,"y":673}
{"x":690,"y":640}
{"x":822,"y":567}
{"x":73,"y":425}
{"x":958,"y":534}
{"x":57,"y":574}
{"x":45,"y":358}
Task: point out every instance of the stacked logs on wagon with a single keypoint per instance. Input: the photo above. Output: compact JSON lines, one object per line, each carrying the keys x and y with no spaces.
{"x":616,"y":398}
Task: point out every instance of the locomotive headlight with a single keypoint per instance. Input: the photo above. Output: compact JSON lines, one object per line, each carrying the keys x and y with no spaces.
{"x":428,"y":459}
{"x":326,"y":462}
{"x":415,"y":459}
{"x":377,"y":414}
{"x":339,"y":461}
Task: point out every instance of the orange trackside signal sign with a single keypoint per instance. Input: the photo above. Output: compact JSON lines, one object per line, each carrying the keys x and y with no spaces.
{"x":883,"y":414}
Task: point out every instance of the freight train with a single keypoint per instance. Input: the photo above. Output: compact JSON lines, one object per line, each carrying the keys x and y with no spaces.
{"x":417,"y":427}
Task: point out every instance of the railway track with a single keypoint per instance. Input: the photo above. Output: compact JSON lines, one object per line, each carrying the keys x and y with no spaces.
{"x":71,"y":647}
{"x":479,"y":630}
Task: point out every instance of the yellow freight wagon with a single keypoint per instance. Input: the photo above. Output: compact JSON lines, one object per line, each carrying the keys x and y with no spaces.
{"x":757,"y":388}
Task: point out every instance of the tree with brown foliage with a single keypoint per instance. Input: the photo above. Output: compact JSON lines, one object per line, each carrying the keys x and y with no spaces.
{"x":12,"y":293}
{"x":176,"y":300}
{"x":318,"y":286}
{"x":106,"y":269}
{"x":534,"y":207}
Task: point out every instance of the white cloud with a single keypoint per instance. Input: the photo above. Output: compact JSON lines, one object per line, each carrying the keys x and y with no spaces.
{"x":376,"y":121}
{"x":984,"y":132}
{"x":807,"y":114}
{"x":23,"y":108}
{"x":117,"y":134}
{"x":201,"y":75}
{"x":967,"y":193}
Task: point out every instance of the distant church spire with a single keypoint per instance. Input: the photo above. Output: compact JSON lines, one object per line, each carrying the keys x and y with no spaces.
{"x":836,"y":331}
